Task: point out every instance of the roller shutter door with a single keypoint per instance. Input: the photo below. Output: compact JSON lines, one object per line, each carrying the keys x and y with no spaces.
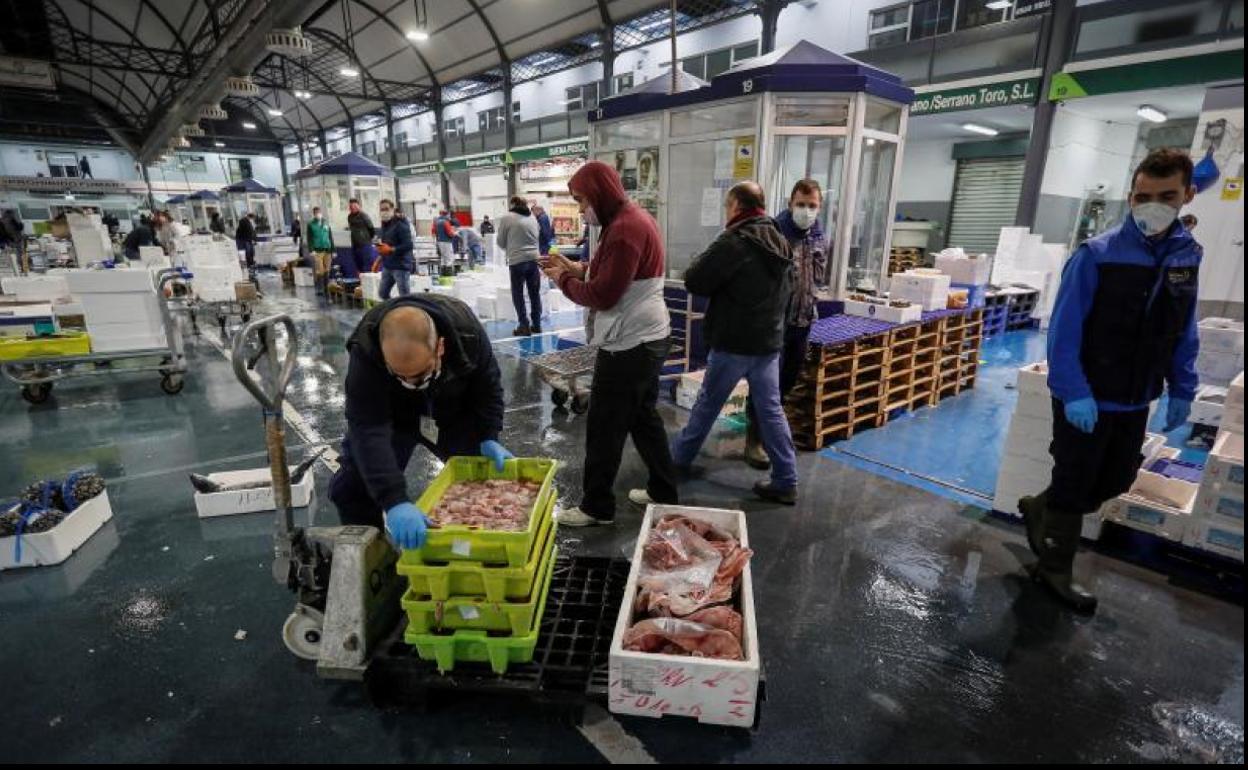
{"x":985,"y":199}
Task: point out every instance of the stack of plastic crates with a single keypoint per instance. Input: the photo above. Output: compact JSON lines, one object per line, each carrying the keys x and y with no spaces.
{"x":477,"y":595}
{"x":1022,"y":308}
{"x":996,"y":313}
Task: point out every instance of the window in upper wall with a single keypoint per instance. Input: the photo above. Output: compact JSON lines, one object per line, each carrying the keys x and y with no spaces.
{"x":623,"y":82}
{"x":711,"y":63}
{"x":400,"y":139}
{"x":240,"y":169}
{"x":889,"y":26}
{"x":583,"y":97}
{"x":495,"y":118}
{"x":368,"y":148}
{"x":977,"y":13}
{"x":62,"y":164}
{"x":453,"y":127}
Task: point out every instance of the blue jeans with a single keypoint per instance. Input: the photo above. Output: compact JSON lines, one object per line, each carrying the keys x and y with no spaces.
{"x":476,"y":254}
{"x":390,"y":277}
{"x":723,"y":372}
{"x":527,"y":274}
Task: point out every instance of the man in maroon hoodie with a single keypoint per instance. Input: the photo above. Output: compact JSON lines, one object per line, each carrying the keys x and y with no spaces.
{"x":623,"y":288}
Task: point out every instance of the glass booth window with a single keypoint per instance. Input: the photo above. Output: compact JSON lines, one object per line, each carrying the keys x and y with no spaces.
{"x":707,"y":120}
{"x":871,"y":216}
{"x":812,"y":111}
{"x":639,"y":173}
{"x":883,"y":116}
{"x":821,"y":158}
{"x":628,"y":132}
{"x":368,"y":190}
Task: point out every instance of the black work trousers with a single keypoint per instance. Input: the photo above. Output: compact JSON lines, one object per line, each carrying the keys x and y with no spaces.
{"x":1091,"y":468}
{"x":623,"y":404}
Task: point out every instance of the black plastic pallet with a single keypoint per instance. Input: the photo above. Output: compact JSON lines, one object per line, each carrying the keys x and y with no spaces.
{"x":570,"y":665}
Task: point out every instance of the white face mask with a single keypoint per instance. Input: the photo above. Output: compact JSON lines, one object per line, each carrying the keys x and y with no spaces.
{"x":591,"y":217}
{"x":804,"y":216}
{"x":386,"y":216}
{"x":1154,"y":218}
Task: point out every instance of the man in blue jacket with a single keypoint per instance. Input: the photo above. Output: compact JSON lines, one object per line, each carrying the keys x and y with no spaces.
{"x":545,"y":231}
{"x":1123,"y":329}
{"x":421,"y":370}
{"x":397,"y":262}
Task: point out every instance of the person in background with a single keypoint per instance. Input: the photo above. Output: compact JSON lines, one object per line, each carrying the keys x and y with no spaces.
{"x":245,"y":239}
{"x":397,"y":261}
{"x":420,"y":371}
{"x":623,"y":288}
{"x":141,"y":235}
{"x":217,"y":225}
{"x":444,"y":235}
{"x":799,"y":223}
{"x":296,"y":232}
{"x":471,"y":244}
{"x":362,"y":234}
{"x":487,"y":226}
{"x":84,"y":168}
{"x":109,"y":221}
{"x":545,"y":230}
{"x":321,"y":244}
{"x":165,"y":231}
{"x":517,"y":237}
{"x":747,"y":273}
{"x":1123,"y":330}
{"x":11,"y":229}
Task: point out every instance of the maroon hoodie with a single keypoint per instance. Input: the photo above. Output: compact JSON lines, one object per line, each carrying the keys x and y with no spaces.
{"x":629,"y":246}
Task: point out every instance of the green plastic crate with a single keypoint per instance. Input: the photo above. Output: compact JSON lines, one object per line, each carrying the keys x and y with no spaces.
{"x":427,"y":616}
{"x":477,"y":646}
{"x":461,"y":543}
{"x":497,"y":583}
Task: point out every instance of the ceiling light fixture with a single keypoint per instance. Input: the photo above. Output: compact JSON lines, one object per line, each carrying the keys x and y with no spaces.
{"x":305,"y":95}
{"x":656,"y":24}
{"x":1152,"y":114}
{"x":247,"y":124}
{"x":544,"y":61}
{"x":275,"y":112}
{"x":975,"y":128}
{"x":349,"y":72}
{"x":218,"y":144}
{"x":417,"y":35}
{"x":999,"y":5}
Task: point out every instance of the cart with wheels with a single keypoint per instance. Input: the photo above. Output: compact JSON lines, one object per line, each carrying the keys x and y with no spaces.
{"x":568,"y":373}
{"x":37,"y":375}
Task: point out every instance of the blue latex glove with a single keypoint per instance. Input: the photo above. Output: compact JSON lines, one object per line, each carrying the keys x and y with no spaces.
{"x":1177,"y":413}
{"x":407,"y":525}
{"x":1082,"y":414}
{"x":496,"y":452}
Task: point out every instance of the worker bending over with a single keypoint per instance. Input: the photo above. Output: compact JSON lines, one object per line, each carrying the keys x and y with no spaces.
{"x":1124,"y":326}
{"x":421,"y":371}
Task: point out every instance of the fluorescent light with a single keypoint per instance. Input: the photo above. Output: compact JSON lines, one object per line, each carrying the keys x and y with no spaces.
{"x":303,"y":95}
{"x":349,"y":72}
{"x":1152,"y":114}
{"x":218,"y":144}
{"x":545,"y":60}
{"x":275,"y":112}
{"x":870,"y":142}
{"x":249,"y":125}
{"x":417,"y":35}
{"x":975,"y":128}
{"x":999,"y":5}
{"x":655,"y":24}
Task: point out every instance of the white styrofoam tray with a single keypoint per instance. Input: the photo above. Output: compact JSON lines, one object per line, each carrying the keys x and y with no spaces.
{"x":249,"y":500}
{"x":57,"y":544}
{"x":722,"y":692}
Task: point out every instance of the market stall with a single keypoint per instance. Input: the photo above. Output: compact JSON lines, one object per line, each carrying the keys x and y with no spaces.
{"x":332,"y":183}
{"x":178,"y":207}
{"x":250,"y":196}
{"x":542,"y":175}
{"x":201,"y":206}
{"x":800,"y":112}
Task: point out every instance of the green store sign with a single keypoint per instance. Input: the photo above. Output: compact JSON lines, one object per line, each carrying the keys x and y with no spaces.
{"x":1024,"y":91}
{"x":1184,"y":71}
{"x":483,"y":161}
{"x":433,"y":167}
{"x":567,"y":149}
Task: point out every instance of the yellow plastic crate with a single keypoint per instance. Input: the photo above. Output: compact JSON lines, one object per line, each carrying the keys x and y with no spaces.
{"x":60,"y":345}
{"x":478,"y":646}
{"x":461,"y":543}
{"x":428,"y":616}
{"x":497,"y":583}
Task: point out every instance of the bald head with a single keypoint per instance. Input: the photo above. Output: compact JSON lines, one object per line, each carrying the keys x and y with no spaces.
{"x":409,"y":342}
{"x":744,"y":197}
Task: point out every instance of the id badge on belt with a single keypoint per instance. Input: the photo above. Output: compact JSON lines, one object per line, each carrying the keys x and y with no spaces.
{"x":429,"y":428}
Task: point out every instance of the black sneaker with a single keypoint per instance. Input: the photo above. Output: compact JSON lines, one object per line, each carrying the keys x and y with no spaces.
{"x":521,"y":331}
{"x":767,"y":491}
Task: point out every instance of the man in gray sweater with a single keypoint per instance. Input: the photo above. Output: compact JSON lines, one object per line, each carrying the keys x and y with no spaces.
{"x":517,"y":236}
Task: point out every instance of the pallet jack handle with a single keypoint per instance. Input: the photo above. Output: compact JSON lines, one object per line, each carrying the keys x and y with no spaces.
{"x":270,"y":390}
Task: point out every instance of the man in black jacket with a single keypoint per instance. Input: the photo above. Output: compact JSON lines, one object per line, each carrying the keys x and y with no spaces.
{"x":421,"y":371}
{"x":748,"y":275}
{"x":141,"y":235}
{"x":245,"y":238}
{"x":362,"y":234}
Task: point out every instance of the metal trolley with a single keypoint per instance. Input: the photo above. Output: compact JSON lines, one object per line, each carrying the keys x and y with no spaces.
{"x":37,"y":375}
{"x":568,"y":373}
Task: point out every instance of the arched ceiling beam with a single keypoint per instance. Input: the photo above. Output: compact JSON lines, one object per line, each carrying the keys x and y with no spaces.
{"x":377,"y":15}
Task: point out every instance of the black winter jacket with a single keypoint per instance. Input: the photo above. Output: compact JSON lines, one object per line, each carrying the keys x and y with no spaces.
{"x":747,"y":273}
{"x":466,"y":400}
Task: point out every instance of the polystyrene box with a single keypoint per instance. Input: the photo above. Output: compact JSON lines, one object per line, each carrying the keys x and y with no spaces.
{"x":250,"y":500}
{"x":1221,"y":334}
{"x":36,"y":288}
{"x":303,"y":277}
{"x":898,"y":315}
{"x":109,"y":281}
{"x":973,"y":271}
{"x":122,"y":309}
{"x":722,"y":692}
{"x":931,"y":290}
{"x":57,"y":544}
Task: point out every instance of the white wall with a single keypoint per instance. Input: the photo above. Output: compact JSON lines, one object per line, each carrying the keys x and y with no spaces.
{"x":927,"y":171}
{"x":265,"y":168}
{"x":469,"y":108}
{"x":1085,"y":151}
{"x":837,"y":25}
{"x":540,"y":98}
{"x":645,"y":63}
{"x":24,"y":159}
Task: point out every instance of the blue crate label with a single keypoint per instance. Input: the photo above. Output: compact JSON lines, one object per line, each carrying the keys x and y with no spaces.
{"x":461,"y":547}
{"x":1236,"y":475}
{"x":1149,"y":516}
{"x":1224,"y":538}
{"x":1230,"y":508}
{"x":469,"y":612}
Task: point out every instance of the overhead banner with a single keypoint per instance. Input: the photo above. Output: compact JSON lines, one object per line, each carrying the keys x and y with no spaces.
{"x":1004,"y":93}
{"x":565,"y":150}
{"x":1143,"y":76}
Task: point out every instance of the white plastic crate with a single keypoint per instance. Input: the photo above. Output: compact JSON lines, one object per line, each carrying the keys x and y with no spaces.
{"x":57,"y":544}
{"x":250,"y":500}
{"x":722,"y":692}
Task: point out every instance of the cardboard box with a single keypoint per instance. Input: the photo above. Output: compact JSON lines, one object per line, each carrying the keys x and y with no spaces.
{"x":116,"y":281}
{"x":973,"y":271}
{"x":250,"y":500}
{"x":722,"y":692}
{"x":1217,"y":537}
{"x":1221,"y":335}
{"x":27,"y":320}
{"x":883,"y":312}
{"x":927,"y":289}
{"x":59,"y":543}
{"x":36,"y":288}
{"x":245,"y":291}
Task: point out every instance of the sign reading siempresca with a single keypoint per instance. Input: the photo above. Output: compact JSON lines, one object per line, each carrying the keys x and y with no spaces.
{"x":1026,"y":91}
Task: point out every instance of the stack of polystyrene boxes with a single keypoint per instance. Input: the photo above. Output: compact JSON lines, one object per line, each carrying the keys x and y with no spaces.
{"x":90,"y":237}
{"x":1221,"y":354}
{"x":1218,"y":519}
{"x":121,"y":308}
{"x":277,"y":251}
{"x":928,"y":288}
{"x":214,"y":265}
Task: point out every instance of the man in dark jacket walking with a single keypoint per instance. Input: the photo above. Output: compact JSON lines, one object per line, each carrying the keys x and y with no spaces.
{"x":362,"y":234}
{"x":421,"y":371}
{"x":397,"y":262}
{"x":748,"y":275}
{"x":245,"y":239}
